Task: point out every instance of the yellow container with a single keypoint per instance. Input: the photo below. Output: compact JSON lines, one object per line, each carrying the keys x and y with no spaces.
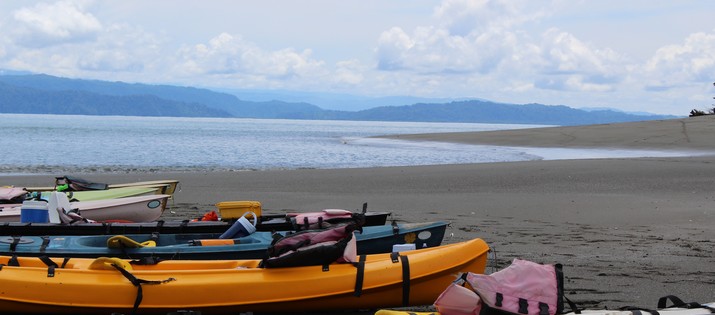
{"x":232,"y":210}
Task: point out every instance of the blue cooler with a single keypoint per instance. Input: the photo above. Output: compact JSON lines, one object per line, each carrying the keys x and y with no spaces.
{"x":34,"y":212}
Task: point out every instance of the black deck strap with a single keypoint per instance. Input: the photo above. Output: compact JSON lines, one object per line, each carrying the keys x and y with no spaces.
{"x":543,"y":308}
{"x":138,"y":283}
{"x":13,"y":261}
{"x":47,"y":261}
{"x":677,"y":302}
{"x":405,"y":280}
{"x":45,"y":242}
{"x":154,"y":236}
{"x":523,"y":306}
{"x":395,"y":257}
{"x":15,"y":241}
{"x":574,"y":308}
{"x":51,"y":265}
{"x":64,"y":262}
{"x":360,"y":276}
{"x":364,"y":208}
{"x":107,"y":228}
{"x":395,"y":228}
{"x":559,"y":271}
{"x":639,"y":310}
{"x":149,"y":260}
{"x":663,"y":302}
{"x":326,"y":267}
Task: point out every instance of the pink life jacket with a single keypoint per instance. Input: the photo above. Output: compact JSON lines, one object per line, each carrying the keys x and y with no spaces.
{"x":522,"y":288}
{"x":12,"y":194}
{"x":320,"y":219}
{"x":458,"y":300}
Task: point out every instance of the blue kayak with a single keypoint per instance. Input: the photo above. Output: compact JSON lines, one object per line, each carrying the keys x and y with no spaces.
{"x":372,"y":240}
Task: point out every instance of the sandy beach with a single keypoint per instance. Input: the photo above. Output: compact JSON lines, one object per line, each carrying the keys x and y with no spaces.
{"x":628,"y":231}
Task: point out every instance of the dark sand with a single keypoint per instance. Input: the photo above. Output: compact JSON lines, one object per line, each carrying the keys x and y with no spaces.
{"x":628,"y":231}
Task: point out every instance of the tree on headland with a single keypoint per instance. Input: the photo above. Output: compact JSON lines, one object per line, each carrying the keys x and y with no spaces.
{"x":697,"y":112}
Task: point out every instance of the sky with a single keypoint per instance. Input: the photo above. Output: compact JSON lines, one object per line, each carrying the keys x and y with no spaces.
{"x":654,"y":56}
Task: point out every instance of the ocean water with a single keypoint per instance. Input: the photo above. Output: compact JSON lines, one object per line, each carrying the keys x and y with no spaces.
{"x":55,"y":143}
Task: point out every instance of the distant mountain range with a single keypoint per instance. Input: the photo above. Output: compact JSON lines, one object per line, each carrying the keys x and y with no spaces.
{"x":333,"y":101}
{"x":44,"y":94}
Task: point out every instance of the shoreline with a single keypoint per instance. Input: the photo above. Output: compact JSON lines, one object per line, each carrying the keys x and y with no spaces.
{"x":692,"y":134}
{"x":627,"y":230}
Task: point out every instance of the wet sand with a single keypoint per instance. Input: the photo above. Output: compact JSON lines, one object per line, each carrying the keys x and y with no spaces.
{"x":628,"y":231}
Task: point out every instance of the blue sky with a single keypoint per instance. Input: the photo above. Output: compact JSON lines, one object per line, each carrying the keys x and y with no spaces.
{"x":656,"y":55}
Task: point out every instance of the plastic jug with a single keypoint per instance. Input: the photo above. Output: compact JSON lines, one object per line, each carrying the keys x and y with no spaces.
{"x":242,"y":227}
{"x":58,"y":201}
{"x":33,"y":211}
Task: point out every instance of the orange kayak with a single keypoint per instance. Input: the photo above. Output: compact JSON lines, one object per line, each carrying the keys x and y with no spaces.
{"x":104,"y":285}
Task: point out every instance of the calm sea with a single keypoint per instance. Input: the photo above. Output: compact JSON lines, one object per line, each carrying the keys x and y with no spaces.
{"x":52,"y":143}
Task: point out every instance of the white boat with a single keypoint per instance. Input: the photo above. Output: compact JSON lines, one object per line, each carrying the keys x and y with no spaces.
{"x":133,"y":209}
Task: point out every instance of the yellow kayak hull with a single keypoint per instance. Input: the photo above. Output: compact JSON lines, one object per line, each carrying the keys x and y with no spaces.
{"x":88,"y":286}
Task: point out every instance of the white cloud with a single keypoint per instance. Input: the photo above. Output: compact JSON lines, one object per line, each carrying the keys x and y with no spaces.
{"x":392,"y":46}
{"x":435,"y":50}
{"x":59,"y":22}
{"x":232,"y":58}
{"x":123,"y":48}
{"x":63,"y":38}
{"x":570,"y":64}
{"x":464,"y":17}
{"x":469,"y":36}
{"x":492,"y":49}
{"x":484,"y":38}
{"x":349,"y":72}
{"x":692,"y":62}
{"x":115,"y":51}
